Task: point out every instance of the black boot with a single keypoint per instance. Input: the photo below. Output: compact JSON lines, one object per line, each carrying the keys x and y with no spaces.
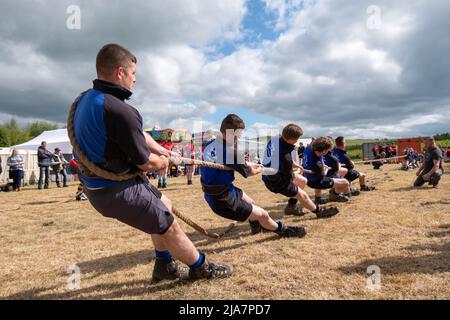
{"x":168,"y":269}
{"x":290,"y":232}
{"x":323,"y":213}
{"x":367,"y":188}
{"x":255,"y":226}
{"x":320,"y":200}
{"x":294,"y":210}
{"x":337,"y":197}
{"x":210,"y":271}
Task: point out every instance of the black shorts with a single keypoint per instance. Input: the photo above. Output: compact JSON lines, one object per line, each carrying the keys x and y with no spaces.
{"x":230,"y":205}
{"x":325,"y":183}
{"x":134,"y":203}
{"x":352,"y":175}
{"x":332,"y":173}
{"x":282,"y":185}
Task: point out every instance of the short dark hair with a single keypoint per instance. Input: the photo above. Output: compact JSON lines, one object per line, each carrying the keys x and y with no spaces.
{"x":321,"y":144}
{"x":111,"y":57}
{"x":340,"y":141}
{"x":231,"y":122}
{"x":291,"y":132}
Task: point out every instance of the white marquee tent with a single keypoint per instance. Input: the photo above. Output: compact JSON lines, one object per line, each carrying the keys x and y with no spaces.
{"x":55,"y":139}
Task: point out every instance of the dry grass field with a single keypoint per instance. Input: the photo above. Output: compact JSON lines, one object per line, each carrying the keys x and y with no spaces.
{"x":403,"y":231}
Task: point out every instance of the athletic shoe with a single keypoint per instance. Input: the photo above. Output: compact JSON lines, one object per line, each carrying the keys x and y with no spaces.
{"x":327,"y":212}
{"x":164,"y":185}
{"x":189,"y":182}
{"x":255,"y":226}
{"x":337,"y":197}
{"x":367,"y":188}
{"x":169,"y":269}
{"x":211,"y":271}
{"x":291,"y":232}
{"x":320,"y":200}
{"x":294,"y":210}
{"x":159,"y":185}
{"x":81,"y":197}
{"x":354,"y":192}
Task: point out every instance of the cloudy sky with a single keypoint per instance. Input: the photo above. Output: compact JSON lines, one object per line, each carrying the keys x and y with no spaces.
{"x":357,"y":68}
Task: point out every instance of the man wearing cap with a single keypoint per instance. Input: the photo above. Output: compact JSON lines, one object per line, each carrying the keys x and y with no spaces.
{"x":59,"y":167}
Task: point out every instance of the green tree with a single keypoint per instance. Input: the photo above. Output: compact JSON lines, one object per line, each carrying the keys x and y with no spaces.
{"x":12,"y":134}
{"x":36,"y":128}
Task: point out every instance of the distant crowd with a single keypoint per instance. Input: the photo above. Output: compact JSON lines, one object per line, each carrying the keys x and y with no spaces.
{"x":48,"y":162}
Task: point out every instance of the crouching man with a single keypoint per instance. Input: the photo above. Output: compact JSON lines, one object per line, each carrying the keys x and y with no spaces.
{"x":315,"y":172}
{"x":431,"y":169}
{"x":340,"y":153}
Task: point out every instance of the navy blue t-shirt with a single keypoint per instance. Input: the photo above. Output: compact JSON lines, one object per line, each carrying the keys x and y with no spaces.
{"x":109,"y":132}
{"x":217,"y":151}
{"x":278,"y":155}
{"x":343,"y":158}
{"x":313,"y":163}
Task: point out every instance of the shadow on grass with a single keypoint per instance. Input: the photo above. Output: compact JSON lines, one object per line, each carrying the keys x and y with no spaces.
{"x":438,"y":262}
{"x":106,"y":265}
{"x":400,"y":189}
{"x":435,"y":202}
{"x":37,"y":203}
{"x":100,"y":291}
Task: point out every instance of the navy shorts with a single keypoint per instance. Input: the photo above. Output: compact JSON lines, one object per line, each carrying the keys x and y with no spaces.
{"x":332,"y":173}
{"x":352,"y":175}
{"x":282,"y":185}
{"x":230,"y":205}
{"x":324,"y":183}
{"x":134,"y":203}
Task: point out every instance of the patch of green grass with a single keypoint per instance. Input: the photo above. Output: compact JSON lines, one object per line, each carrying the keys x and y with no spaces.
{"x":443,"y":143}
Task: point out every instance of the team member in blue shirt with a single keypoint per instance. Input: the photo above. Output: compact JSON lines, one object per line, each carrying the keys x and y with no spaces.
{"x":222,"y":196}
{"x":278,"y":154}
{"x":341,"y":154}
{"x":315,"y":172}
{"x":110,"y":133}
{"x":336,"y":170}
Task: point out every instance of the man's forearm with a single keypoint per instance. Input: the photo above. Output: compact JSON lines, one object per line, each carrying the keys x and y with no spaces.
{"x":154,"y":146}
{"x":151,"y":143}
{"x":435,"y":169}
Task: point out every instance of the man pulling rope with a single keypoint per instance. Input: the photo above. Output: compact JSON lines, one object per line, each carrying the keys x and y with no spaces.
{"x":108,"y":132}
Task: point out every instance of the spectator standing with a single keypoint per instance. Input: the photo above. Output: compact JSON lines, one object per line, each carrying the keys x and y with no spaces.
{"x":15,"y":163}
{"x":59,"y":163}
{"x":44,"y":161}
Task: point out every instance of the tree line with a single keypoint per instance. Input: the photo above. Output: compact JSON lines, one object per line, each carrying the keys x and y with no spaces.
{"x":12,"y":134}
